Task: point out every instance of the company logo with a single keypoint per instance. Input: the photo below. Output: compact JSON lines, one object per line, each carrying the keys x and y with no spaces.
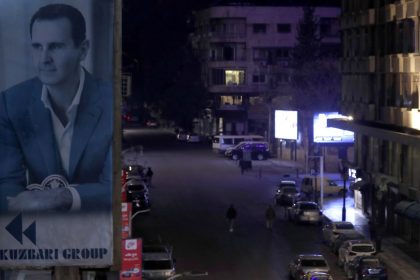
{"x":15,"y":228}
{"x":50,"y":182}
{"x":131,"y":244}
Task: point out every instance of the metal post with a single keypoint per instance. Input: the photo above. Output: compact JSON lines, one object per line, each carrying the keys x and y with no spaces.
{"x":343,"y":217}
{"x":321,"y":172}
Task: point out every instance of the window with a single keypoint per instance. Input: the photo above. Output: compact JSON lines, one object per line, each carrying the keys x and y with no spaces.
{"x":329,"y":27}
{"x":218,"y":76}
{"x":227,"y":77}
{"x":282,"y":52}
{"x":259,"y":28}
{"x":235,"y":77}
{"x":284,"y":28}
{"x":228,"y":53}
{"x":258,"y":78}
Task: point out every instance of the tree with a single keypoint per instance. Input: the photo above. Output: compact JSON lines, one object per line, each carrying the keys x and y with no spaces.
{"x":315,"y":77}
{"x":185,"y":97}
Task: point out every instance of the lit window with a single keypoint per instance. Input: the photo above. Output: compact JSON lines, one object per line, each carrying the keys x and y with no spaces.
{"x":235,"y":77}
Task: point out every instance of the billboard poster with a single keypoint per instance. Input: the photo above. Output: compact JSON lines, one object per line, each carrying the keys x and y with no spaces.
{"x":56,"y":132}
{"x":285,"y":125}
{"x":330,"y":135}
{"x":131,"y":266}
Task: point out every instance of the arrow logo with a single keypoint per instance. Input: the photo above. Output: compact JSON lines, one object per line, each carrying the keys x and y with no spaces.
{"x":15,"y":230}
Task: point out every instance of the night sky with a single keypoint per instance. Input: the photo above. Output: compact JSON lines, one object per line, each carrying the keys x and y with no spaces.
{"x":155,"y":30}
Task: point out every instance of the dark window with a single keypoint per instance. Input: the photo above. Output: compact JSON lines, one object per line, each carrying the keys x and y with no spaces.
{"x":260,"y":78}
{"x":259,"y":28}
{"x":218,"y":76}
{"x":284,"y":28}
{"x":228,"y":53}
{"x":329,"y":27}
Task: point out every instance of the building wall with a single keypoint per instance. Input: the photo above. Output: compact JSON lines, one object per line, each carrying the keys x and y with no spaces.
{"x":380,"y":67}
{"x":264,"y":56}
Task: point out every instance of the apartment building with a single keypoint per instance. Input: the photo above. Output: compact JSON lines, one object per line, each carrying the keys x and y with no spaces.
{"x":245,"y":56}
{"x":380,"y":90}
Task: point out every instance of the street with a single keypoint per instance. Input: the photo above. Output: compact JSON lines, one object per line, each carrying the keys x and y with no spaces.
{"x":192,"y":189}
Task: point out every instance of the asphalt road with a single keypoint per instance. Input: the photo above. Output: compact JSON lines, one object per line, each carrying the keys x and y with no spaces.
{"x":192,"y":189}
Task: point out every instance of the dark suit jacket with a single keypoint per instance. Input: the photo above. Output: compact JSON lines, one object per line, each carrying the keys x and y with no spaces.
{"x":28,"y":152}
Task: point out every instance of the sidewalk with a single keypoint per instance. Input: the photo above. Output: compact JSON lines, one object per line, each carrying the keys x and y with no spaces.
{"x":393,"y":255}
{"x":398,"y":254}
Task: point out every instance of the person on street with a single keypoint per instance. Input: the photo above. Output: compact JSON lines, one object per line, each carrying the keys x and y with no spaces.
{"x":149,"y":175}
{"x":270,"y":215}
{"x":231,"y":216}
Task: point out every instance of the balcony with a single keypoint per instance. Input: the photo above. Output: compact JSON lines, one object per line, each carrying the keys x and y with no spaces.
{"x":412,"y":9}
{"x":407,"y":64}
{"x":231,"y":107}
{"x":227,"y":36}
{"x":416,"y":63}
{"x":371,"y":16}
{"x":401,"y":11}
{"x":238,"y":89}
{"x":390,"y":12}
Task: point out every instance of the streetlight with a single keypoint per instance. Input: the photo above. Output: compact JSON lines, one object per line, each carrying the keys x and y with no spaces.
{"x":344,"y":175}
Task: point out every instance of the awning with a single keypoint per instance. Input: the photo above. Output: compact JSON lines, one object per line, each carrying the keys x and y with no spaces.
{"x":403,"y":135}
{"x":410,"y":209}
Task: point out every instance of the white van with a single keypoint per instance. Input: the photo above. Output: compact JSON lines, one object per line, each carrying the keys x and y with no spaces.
{"x":310,"y":183}
{"x":222,"y":142}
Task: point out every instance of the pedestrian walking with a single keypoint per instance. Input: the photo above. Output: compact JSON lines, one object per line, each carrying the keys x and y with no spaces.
{"x":231,"y":215}
{"x":372,"y":231}
{"x":270,"y":215}
{"x":379,"y":235}
{"x":149,"y":176}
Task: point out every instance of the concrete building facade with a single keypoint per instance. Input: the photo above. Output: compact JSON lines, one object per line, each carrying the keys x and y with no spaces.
{"x":245,"y":57}
{"x":380,"y":90}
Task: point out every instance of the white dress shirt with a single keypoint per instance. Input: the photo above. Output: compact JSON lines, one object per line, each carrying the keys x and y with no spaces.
{"x":64,"y":134}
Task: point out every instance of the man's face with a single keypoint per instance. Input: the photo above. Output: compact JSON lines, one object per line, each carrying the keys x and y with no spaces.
{"x":56,"y":57}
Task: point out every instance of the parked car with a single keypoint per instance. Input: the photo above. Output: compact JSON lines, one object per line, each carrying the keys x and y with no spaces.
{"x":194,"y":138}
{"x":287,"y":196}
{"x":353,"y":248}
{"x":342,"y":237}
{"x":258,"y":150}
{"x":152,"y":123}
{"x":286,"y":183}
{"x":135,"y":187}
{"x":332,"y":230}
{"x":317,"y":275}
{"x":135,"y":171}
{"x":140,"y":203}
{"x":367,"y":267}
{"x":310,"y":184}
{"x":158,"y":262}
{"x":305,"y":211}
{"x":182,"y":136}
{"x":304,"y":263}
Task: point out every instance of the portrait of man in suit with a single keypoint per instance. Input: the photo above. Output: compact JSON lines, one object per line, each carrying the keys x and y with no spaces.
{"x":56,"y":129}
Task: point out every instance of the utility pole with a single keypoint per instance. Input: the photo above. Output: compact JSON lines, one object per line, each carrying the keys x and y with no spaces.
{"x":344,"y":175}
